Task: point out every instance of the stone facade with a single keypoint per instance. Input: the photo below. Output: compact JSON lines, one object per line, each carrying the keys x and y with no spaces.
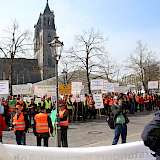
{"x":44,"y":33}
{"x":24,"y":70}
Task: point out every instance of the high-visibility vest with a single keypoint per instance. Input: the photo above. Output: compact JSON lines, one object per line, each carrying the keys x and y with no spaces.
{"x":61,"y":114}
{"x":48,"y":104}
{"x":19,"y":122}
{"x":41,"y":120}
{"x":106,"y":101}
{"x":111,"y":102}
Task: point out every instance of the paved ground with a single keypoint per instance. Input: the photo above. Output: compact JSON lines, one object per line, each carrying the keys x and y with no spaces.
{"x":93,"y":133}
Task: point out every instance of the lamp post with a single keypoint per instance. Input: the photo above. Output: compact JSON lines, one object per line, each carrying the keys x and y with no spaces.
{"x":56,"y":48}
{"x":65,"y":76}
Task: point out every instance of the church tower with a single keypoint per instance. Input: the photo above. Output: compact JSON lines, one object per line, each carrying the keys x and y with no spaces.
{"x":45,"y":31}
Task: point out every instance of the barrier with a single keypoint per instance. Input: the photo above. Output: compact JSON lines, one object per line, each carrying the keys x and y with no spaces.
{"x":128,"y":151}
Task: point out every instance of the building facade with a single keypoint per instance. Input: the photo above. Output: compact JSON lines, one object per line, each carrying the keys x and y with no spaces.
{"x":45,"y":31}
{"x":43,"y":66}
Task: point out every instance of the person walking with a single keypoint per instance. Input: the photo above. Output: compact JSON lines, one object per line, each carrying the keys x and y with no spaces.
{"x":64,"y":118}
{"x":42,"y":127}
{"x":20,"y":124}
{"x":120,"y":120}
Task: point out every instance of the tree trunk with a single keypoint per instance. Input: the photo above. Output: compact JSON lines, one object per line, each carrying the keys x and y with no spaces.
{"x":87,"y":69}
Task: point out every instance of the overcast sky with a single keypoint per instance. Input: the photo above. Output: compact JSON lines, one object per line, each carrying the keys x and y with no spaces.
{"x":123,"y":22}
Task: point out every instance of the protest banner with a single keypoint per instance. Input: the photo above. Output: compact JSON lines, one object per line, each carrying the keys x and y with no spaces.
{"x":76,"y":88}
{"x":22,"y":89}
{"x":4,"y":87}
{"x":98,"y":101}
{"x":44,"y":90}
{"x":153,"y":85}
{"x":128,"y":151}
{"x":65,"y":89}
{"x":97,"y":84}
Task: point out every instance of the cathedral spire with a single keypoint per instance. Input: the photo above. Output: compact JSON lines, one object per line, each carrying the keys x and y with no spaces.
{"x":47,"y":9}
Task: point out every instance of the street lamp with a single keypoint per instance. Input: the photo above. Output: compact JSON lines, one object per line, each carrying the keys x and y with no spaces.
{"x":56,"y":48}
{"x":64,"y":73}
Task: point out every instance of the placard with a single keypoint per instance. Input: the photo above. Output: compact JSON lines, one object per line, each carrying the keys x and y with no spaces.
{"x":97,"y":84}
{"x":98,"y":101}
{"x":153,"y":85}
{"x":76,"y":88}
{"x":22,"y":89}
{"x":4,"y":87}
{"x":42,"y":90}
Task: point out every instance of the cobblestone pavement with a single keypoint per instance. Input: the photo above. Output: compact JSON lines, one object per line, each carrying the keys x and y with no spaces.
{"x":90,"y":134}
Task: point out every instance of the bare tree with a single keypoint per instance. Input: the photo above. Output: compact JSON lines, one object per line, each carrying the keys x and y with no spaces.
{"x":144,"y":64}
{"x":68,"y":69}
{"x":89,"y":47}
{"x":107,"y":68}
{"x":14,"y":45}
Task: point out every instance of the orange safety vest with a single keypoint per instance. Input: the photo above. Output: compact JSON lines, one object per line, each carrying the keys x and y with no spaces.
{"x":105,"y":100}
{"x":19,"y":123}
{"x":111,"y":102}
{"x":63,"y":123}
{"x":41,"y":120}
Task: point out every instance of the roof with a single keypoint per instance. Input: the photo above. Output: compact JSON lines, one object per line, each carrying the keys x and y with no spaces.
{"x":47,"y":9}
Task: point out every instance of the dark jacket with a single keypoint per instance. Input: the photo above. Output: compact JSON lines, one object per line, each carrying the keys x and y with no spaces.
{"x":151,"y":134}
{"x":117,"y":110}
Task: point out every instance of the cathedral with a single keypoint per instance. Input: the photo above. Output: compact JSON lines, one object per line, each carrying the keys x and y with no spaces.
{"x":43,"y":66}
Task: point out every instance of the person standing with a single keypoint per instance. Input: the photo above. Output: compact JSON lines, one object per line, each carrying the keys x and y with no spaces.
{"x":31,"y":112}
{"x":2,"y":123}
{"x":64,"y":118}
{"x":42,"y":127}
{"x":70,"y":108}
{"x":21,"y":125}
{"x":91,"y":107}
{"x":120,"y":120}
{"x":48,"y":105}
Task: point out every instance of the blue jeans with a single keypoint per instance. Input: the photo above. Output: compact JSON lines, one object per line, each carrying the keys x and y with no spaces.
{"x":120,"y":130}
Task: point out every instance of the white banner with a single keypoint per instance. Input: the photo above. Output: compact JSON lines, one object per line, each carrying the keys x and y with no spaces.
{"x":4,"y":87}
{"x":22,"y":89}
{"x":98,"y":101}
{"x":109,"y":87}
{"x":153,"y":85}
{"x":42,"y":90}
{"x":97,"y":84}
{"x":128,"y":151}
{"x":76,"y":88}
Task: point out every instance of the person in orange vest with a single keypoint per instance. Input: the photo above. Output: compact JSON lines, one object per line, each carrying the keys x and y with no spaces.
{"x":20,"y":124}
{"x":42,"y":127}
{"x":64,"y":117}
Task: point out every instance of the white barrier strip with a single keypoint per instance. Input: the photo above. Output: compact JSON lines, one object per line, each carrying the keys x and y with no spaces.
{"x":128,"y":151}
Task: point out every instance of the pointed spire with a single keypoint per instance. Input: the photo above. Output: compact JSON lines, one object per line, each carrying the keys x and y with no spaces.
{"x":47,"y":9}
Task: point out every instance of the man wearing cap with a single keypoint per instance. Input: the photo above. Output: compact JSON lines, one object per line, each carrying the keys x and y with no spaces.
{"x":20,"y":124}
{"x":64,"y":118}
{"x":42,"y":127}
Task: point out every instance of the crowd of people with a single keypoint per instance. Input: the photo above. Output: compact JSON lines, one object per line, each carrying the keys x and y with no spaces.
{"x":20,"y":114}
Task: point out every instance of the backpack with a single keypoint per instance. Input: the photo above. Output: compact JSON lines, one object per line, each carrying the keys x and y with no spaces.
{"x":111,"y":122}
{"x":151,"y":135}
